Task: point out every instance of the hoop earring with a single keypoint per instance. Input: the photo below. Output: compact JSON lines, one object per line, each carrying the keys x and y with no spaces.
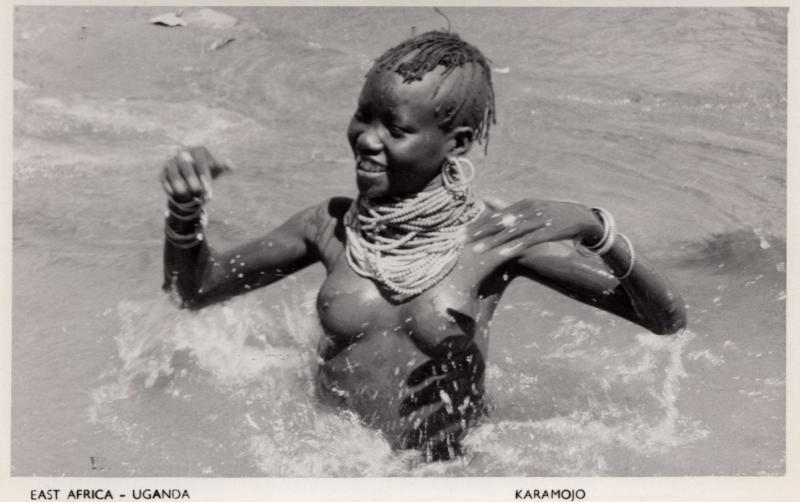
{"x":457,"y":173}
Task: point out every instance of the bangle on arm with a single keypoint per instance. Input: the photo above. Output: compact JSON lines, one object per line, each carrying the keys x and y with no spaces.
{"x":606,"y":242}
{"x":195,"y":212}
{"x":182,"y":241}
{"x":185,"y":211}
{"x":186,"y":206}
{"x":609,"y":235}
{"x":632,"y":254}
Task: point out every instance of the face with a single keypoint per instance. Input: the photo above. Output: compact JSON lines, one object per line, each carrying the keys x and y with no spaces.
{"x":395,"y":135}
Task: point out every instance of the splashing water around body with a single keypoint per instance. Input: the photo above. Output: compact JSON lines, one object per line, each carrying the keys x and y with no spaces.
{"x":257,"y":365}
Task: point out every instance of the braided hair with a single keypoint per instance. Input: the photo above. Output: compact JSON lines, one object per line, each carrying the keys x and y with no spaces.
{"x":471,"y":100}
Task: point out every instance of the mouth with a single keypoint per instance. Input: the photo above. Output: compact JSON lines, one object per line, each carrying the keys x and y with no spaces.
{"x":369,"y":166}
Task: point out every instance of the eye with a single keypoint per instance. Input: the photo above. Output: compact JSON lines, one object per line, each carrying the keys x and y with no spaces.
{"x":396,"y":131}
{"x":398,"y":126}
{"x":363,"y":114}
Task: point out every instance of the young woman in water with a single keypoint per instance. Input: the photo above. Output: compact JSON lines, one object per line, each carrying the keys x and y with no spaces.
{"x":417,"y":263}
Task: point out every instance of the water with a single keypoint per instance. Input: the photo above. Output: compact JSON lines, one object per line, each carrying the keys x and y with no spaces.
{"x":672,"y":119}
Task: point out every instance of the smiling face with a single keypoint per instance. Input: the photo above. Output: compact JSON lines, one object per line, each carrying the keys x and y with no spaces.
{"x":396,"y":138}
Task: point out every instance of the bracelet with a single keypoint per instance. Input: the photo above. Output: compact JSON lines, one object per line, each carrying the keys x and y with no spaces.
{"x":172,"y":234}
{"x":192,"y":205}
{"x":199,"y":213}
{"x":633,"y":257}
{"x":609,"y":235}
{"x":189,"y":240}
{"x":185,"y":246}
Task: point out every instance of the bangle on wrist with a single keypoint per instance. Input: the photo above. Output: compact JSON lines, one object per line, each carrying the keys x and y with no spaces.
{"x":182,"y":241}
{"x":188,"y":245}
{"x":190,"y":205}
{"x":186,"y":211}
{"x":199,"y":213}
{"x":632,"y":254}
{"x":606,"y":241}
{"x":187,"y":240}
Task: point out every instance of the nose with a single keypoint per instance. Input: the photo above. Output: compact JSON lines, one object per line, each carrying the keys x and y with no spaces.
{"x":368,"y":141}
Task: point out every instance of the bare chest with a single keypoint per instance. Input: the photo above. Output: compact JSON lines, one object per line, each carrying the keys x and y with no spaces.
{"x":352,"y":308}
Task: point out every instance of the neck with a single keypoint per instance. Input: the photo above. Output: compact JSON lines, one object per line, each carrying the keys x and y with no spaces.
{"x":434,"y":183}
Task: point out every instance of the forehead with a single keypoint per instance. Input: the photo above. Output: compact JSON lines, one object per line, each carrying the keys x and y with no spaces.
{"x":386,"y":88}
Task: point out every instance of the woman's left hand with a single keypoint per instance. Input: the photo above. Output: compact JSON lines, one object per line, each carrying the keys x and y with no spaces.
{"x":507,"y":232}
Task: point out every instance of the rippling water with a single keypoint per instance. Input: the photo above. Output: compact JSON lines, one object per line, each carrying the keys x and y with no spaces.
{"x":673,"y":119}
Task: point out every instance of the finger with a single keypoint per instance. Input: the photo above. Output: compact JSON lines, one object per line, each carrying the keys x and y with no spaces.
{"x":204,"y":174}
{"x":461,"y":364}
{"x":176,"y":180}
{"x":162,"y":178}
{"x":457,"y":398}
{"x":409,"y":405}
{"x":203,"y":162}
{"x":430,"y":369}
{"x":428,"y":395}
{"x":451,"y":390}
{"x":187,"y":168}
{"x":419,"y":435}
{"x":495,"y":203}
{"x":440,"y":420}
{"x":167,"y":189}
{"x":549,"y":233}
{"x":444,"y":362}
{"x":517,"y":220}
{"x":220,"y":168}
{"x":454,"y":353}
{"x":205,"y":181}
{"x":424,"y":397}
{"x":520,"y":246}
{"x":434,"y":424}
{"x":490,"y":228}
{"x":507,"y":217}
{"x":512,"y":235}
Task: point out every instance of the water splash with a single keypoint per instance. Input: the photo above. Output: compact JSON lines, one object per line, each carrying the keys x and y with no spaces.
{"x":246,"y":371}
{"x":595,"y":410}
{"x":219,"y":351}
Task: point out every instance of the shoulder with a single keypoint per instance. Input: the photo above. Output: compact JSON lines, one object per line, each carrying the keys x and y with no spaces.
{"x":323,"y":212}
{"x":326,"y":217}
{"x":329,"y":211}
{"x":336,"y":207}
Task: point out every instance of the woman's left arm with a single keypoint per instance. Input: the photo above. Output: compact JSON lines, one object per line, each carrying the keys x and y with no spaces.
{"x":532,"y":238}
{"x":644,"y":296}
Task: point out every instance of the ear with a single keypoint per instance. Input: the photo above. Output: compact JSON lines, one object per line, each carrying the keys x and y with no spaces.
{"x":460,"y":140}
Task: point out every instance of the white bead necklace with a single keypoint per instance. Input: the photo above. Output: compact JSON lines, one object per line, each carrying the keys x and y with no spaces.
{"x":410,"y":243}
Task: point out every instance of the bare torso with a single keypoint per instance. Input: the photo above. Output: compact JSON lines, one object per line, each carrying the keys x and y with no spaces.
{"x":373,"y":344}
{"x":413,"y":367}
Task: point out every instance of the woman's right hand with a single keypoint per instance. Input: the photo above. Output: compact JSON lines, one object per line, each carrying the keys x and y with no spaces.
{"x":508,"y":231}
{"x":188,"y":174}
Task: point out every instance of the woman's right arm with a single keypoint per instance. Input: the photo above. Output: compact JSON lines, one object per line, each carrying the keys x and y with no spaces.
{"x":196,"y":273}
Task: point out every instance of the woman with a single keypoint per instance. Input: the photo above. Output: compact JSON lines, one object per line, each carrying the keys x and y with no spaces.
{"x":417,"y":264}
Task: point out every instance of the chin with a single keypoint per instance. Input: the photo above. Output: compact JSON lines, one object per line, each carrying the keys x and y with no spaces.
{"x":373,"y":188}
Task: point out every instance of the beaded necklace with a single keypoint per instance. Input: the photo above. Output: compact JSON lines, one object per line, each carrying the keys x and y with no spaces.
{"x":408,"y":244}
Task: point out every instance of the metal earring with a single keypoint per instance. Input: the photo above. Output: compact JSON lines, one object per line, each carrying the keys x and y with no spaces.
{"x":457,"y":173}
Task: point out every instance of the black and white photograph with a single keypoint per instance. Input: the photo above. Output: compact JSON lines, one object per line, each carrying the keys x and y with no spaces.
{"x":398,"y":242}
